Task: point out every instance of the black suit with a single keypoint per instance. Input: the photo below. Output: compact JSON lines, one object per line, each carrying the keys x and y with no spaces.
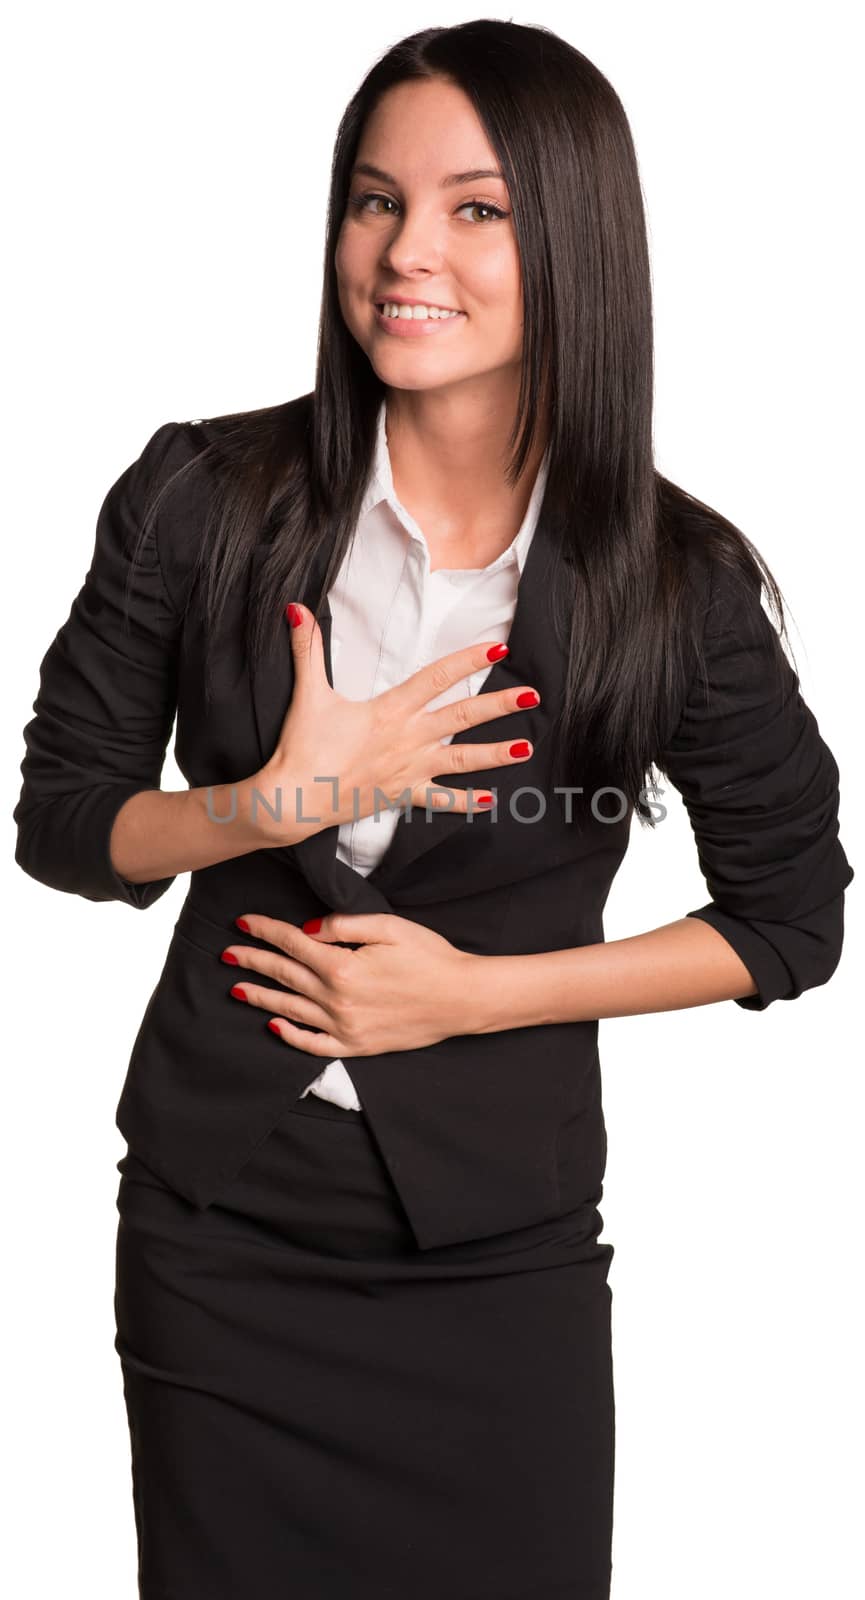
{"x":369,"y":1353}
{"x":470,"y":1127}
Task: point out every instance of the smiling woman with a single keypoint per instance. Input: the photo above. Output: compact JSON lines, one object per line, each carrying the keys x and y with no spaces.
{"x":363,"y":1309}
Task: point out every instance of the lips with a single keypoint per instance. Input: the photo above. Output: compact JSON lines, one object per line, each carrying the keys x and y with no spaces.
{"x":417,"y":327}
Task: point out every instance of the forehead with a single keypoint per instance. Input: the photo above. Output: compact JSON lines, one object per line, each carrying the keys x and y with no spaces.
{"x":425,"y":130}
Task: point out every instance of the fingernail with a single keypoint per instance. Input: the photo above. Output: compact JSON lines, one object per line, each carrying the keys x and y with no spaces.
{"x":274,"y":1026}
{"x":497,"y":652}
{"x":521,"y":748}
{"x":313,"y":925}
{"x":294,"y":614}
{"x":230,"y":958}
{"x":241,"y":922}
{"x":238,"y":992}
{"x":529,"y":697}
{"x":484,"y":800}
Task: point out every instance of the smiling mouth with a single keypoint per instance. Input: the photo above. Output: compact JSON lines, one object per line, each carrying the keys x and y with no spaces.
{"x":419,"y":313}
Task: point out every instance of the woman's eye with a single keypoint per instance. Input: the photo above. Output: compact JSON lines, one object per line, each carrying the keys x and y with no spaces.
{"x":360,"y":200}
{"x":494,"y":213}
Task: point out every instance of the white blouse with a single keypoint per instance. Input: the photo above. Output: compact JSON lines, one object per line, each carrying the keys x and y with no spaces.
{"x":391,"y":615}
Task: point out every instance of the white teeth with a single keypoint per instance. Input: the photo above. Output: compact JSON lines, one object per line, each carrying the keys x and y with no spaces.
{"x":392,"y":309}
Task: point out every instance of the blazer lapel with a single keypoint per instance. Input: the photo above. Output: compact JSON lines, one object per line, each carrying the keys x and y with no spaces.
{"x":534,"y":658}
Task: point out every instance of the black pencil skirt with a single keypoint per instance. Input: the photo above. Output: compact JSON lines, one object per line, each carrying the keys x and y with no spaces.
{"x":319,"y":1409}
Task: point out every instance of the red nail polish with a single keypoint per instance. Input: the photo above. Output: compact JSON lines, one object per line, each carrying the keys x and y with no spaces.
{"x":497,"y":652}
{"x":242,"y":924}
{"x":521,"y":748}
{"x":238,"y":992}
{"x":230,"y":958}
{"x":313,"y":925}
{"x":484,"y":800}
{"x":529,"y":697}
{"x":274,"y":1026}
{"x":294,"y":614}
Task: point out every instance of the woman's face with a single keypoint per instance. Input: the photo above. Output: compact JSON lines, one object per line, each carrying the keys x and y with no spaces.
{"x":410,"y":231}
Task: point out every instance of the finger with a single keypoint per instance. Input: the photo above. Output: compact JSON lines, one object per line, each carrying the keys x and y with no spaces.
{"x":295,"y":945}
{"x":432,"y":680}
{"x":313,"y":1044}
{"x":284,"y":1003}
{"x":307,"y":645}
{"x":289,"y":974}
{"x":478,"y":757}
{"x":341,"y":927}
{"x":267,"y":999}
{"x":478,"y":708}
{"x":440,"y":798}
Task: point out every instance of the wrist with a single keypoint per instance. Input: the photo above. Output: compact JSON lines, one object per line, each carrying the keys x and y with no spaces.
{"x":509,"y":992}
{"x":273,"y":814}
{"x":484,"y":990}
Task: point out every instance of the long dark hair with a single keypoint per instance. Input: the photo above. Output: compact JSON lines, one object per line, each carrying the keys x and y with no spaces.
{"x":626,"y":613}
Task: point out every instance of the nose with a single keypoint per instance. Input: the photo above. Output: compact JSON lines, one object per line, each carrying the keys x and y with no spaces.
{"x":415,"y":245}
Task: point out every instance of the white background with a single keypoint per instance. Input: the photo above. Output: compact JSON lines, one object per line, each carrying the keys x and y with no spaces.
{"x":166,"y":176}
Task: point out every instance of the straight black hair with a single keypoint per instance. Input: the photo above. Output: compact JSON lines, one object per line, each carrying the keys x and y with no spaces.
{"x":626,"y":612}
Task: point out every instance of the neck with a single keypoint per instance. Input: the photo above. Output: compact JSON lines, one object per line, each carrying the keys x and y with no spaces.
{"x":448,"y":458}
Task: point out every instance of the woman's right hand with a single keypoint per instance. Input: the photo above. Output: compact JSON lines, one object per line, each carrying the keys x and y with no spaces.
{"x":364,"y":752}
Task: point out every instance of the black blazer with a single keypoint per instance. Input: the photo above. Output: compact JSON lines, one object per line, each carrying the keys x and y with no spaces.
{"x":472,"y":1129}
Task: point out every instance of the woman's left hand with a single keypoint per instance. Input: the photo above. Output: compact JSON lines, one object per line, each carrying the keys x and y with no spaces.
{"x":405,"y":986}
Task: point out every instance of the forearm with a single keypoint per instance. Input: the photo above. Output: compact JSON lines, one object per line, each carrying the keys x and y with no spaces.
{"x":684,"y":963}
{"x":159,"y":833}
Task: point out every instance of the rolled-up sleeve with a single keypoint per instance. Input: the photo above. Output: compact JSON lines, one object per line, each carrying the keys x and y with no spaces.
{"x":761,"y":789}
{"x":106,"y":701}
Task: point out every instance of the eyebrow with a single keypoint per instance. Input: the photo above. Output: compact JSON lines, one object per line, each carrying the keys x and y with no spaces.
{"x":447,"y":183}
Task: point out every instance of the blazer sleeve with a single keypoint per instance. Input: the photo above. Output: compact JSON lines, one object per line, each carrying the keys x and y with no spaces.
{"x":761,"y":790}
{"x":106,"y":701}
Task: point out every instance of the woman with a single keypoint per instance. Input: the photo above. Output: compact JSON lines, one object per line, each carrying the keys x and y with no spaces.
{"x":362,"y":1308}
